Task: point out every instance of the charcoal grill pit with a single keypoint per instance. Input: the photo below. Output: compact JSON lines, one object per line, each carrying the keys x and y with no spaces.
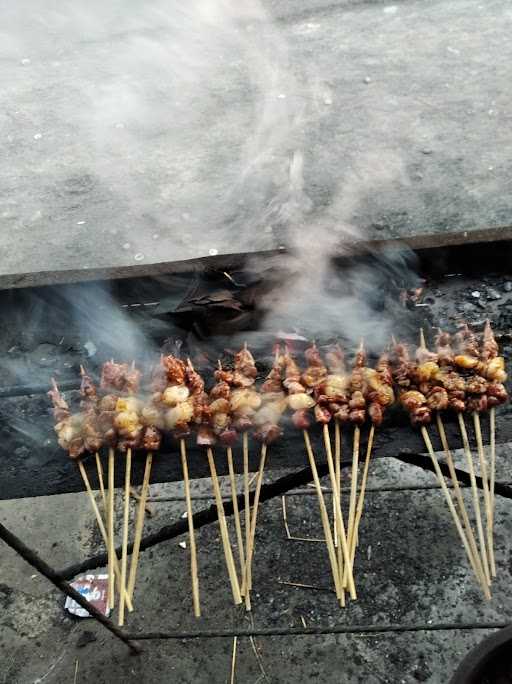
{"x":451,"y":268}
{"x":26,"y":431}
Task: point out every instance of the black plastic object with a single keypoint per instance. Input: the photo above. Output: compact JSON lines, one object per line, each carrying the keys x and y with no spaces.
{"x":489,"y":663}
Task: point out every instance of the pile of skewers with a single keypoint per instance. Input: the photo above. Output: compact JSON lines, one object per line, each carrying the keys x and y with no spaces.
{"x":466,"y":378}
{"x":125,"y":415}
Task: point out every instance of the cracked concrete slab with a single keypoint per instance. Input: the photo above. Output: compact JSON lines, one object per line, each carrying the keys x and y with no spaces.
{"x":410,"y":568}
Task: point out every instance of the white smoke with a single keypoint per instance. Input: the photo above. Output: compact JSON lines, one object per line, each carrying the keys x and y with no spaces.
{"x":192,"y":123}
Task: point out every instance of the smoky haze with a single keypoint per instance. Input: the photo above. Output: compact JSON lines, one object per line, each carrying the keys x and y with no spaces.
{"x":194,"y":122}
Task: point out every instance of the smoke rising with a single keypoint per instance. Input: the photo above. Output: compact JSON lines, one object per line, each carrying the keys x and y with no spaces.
{"x":192,"y":120}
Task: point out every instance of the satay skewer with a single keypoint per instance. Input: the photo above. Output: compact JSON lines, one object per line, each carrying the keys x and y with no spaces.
{"x":353,"y":496}
{"x":191,"y":535}
{"x":337,"y":472}
{"x":362,"y":492}
{"x":476,"y":502}
{"x":139,"y":525}
{"x":102,"y":529}
{"x":110,"y":519}
{"x":236,"y":515}
{"x":493,"y":367}
{"x":254,"y":518}
{"x":247,"y":506}
{"x":492,"y":481}
{"x":345,"y":566}
{"x":228,"y":553}
{"x":99,"y":469}
{"x":126,"y":524}
{"x":476,"y":561}
{"x":325,"y":518}
{"x":337,"y":468}
{"x":446,"y":492}
{"x":486,"y":490}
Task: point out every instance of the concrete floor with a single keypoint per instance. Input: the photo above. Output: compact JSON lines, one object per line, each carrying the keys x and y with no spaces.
{"x":410,"y":569}
{"x":133,"y":134}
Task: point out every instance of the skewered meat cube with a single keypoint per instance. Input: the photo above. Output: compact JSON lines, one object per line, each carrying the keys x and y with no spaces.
{"x":444,"y":349}
{"x":205,"y":435}
{"x":273,"y":382}
{"x":301,"y":419}
{"x":316,"y":371}
{"x":335,"y":360}
{"x":220,"y":391}
{"x":412,"y":399}
{"x":152,"y":438}
{"x":152,"y":416}
{"x":60,"y":406}
{"x":477,"y":403}
{"x":69,"y":427}
{"x":70,"y":436}
{"x":273,"y":403}
{"x":495,"y":369}
{"x":358,"y":388}
{"x":476,"y":385}
{"x":113,"y":376}
{"x":490,"y":349}
{"x":466,"y":342}
{"x":422,"y":416}
{"x":159,"y":377}
{"x":496,"y":394}
{"x":322,"y":414}
{"x":380,"y":388}
{"x":437,"y":399}
{"x":216,"y":421}
{"x":268,"y":433}
{"x":376,"y":413}
{"x":175,"y":394}
{"x":453,"y":382}
{"x":244,"y":400}
{"x":244,"y":363}
{"x":132,"y":380}
{"x":88,"y":389}
{"x":175,"y":370}
{"x":424,"y":355}
{"x":340,"y":413}
{"x":300,"y":401}
{"x":179,"y":415}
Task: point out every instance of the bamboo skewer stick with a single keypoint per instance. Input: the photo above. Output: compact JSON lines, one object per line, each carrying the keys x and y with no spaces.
{"x":139,"y":525}
{"x":476,"y":503}
{"x":101,"y":526}
{"x":325,"y":518}
{"x":446,"y":492}
{"x":476,"y":561}
{"x":99,"y":469}
{"x":233,"y":661}
{"x":254,"y":518}
{"x":337,"y":468}
{"x":126,"y":523}
{"x":228,"y":553}
{"x":487,"y":496}
{"x":110,"y":517}
{"x":492,"y":429}
{"x":353,"y":494}
{"x":337,"y":472}
{"x":362,"y":492}
{"x":236,"y":514}
{"x":247,"y":505}
{"x":192,"y":539}
{"x":339,"y":524}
